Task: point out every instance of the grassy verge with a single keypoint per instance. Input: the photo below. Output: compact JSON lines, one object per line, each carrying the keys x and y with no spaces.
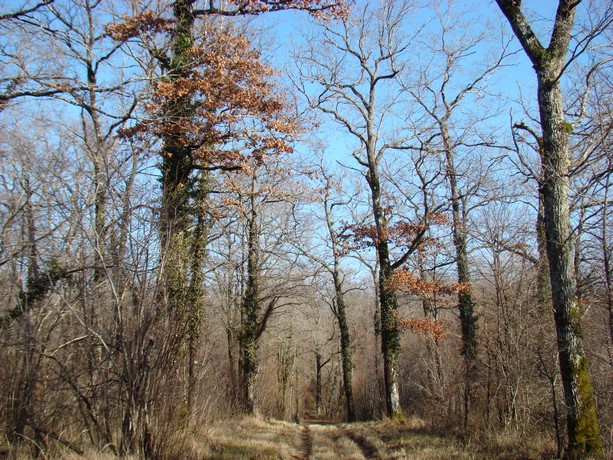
{"x":253,"y":438}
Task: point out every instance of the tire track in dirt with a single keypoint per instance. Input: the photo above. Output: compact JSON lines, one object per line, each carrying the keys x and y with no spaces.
{"x":307,"y":443}
{"x":369,"y":450}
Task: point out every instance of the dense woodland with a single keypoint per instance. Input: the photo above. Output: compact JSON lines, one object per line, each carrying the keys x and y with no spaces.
{"x":304,"y":209}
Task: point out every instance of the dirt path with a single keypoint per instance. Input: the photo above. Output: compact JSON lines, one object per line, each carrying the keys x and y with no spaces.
{"x":307,"y":443}
{"x":369,"y":450}
{"x":274,"y":439}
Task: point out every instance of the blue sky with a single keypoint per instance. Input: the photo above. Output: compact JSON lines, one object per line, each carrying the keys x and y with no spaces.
{"x":287,"y":28}
{"x":515,"y":82}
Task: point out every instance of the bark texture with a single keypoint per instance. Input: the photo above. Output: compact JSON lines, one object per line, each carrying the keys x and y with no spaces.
{"x":343,"y":328}
{"x":466,"y":305}
{"x":183,"y":223}
{"x":339,"y":307}
{"x":250,"y":309}
{"x":390,"y":332}
{"x":347,"y":362}
{"x":549,"y":64}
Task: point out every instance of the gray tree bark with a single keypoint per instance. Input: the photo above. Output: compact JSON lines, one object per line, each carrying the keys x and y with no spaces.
{"x":549,"y":64}
{"x":341,"y":309}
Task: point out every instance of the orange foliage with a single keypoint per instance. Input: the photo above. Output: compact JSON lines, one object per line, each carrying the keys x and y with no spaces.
{"x":134,"y":26}
{"x":402,"y":234}
{"x":423,"y":326}
{"x":428,"y":289}
{"x":225,"y":99}
{"x":150,"y":22}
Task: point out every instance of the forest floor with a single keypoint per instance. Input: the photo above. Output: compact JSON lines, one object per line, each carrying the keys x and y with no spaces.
{"x":253,"y":438}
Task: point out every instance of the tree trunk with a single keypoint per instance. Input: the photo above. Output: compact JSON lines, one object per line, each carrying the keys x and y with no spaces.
{"x":347,"y":362}
{"x":543,"y":283}
{"x":250,"y":308}
{"x":182,"y":225}
{"x":608,"y":282}
{"x":390,"y":334}
{"x":549,"y":64}
{"x":341,"y":316}
{"x":195,"y":300}
{"x":176,"y":165}
{"x":466,"y":306}
{"x":247,"y":354}
{"x":97,"y":147}
{"x":435,"y":370}
{"x":583,"y":429}
{"x":318,"y":368}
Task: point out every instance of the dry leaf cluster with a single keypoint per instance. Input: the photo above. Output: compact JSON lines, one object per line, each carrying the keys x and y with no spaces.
{"x":223,"y":109}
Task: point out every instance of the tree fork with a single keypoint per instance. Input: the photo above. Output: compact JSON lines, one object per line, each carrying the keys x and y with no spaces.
{"x":549,"y":64}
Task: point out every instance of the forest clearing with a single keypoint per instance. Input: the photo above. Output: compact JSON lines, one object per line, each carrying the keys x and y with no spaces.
{"x":258,"y":439}
{"x":220,"y":217}
{"x":398,"y":440}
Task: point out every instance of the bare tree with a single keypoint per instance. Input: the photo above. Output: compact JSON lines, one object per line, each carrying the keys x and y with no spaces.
{"x":444,"y":90}
{"x":352,"y":66}
{"x":259,"y":265}
{"x":550,"y":64}
{"x":328,"y":192}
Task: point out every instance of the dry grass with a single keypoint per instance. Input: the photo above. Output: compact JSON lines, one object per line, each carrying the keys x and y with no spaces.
{"x":253,"y":438}
{"x":259,"y":439}
{"x":256,"y":438}
{"x":404,"y":440}
{"x":329,"y":443}
{"x":511,"y":445}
